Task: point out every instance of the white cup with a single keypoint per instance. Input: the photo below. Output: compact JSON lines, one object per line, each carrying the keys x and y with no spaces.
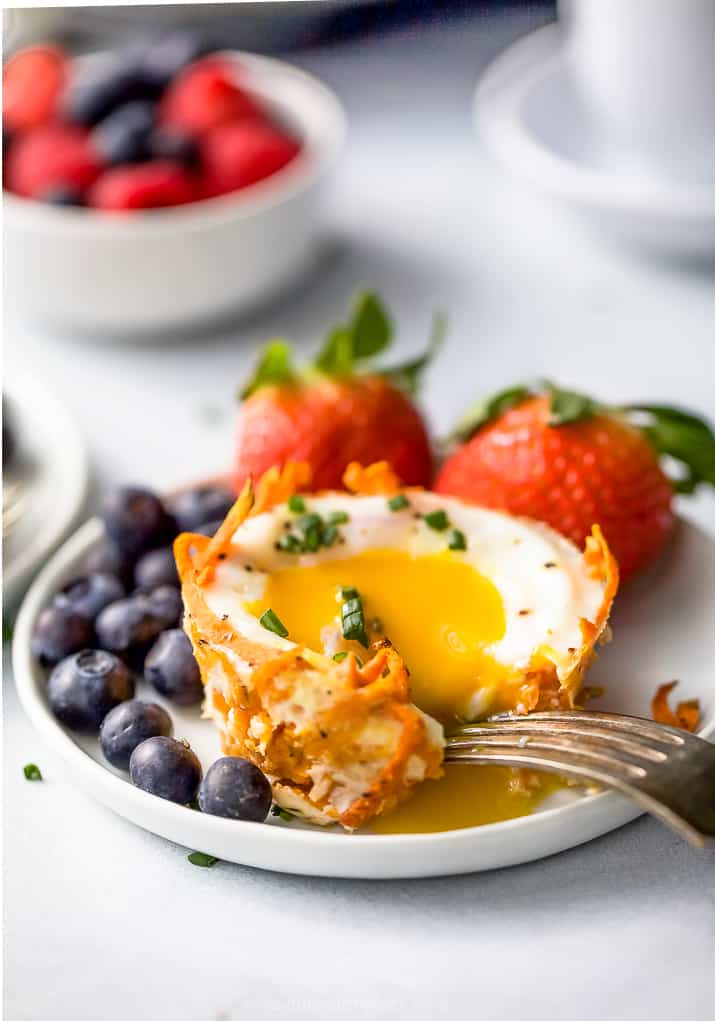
{"x":645,"y":70}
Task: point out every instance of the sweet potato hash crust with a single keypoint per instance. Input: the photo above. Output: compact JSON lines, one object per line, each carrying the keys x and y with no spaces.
{"x":362,"y":745}
{"x":340,"y":742}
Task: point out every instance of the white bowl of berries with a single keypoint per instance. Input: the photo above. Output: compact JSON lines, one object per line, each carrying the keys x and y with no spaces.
{"x":161,"y":185}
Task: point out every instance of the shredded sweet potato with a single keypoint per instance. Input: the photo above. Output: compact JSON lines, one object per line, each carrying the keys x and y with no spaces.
{"x":371,"y":480}
{"x":686,"y":715}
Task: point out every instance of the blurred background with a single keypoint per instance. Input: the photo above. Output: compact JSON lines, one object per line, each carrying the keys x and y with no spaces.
{"x":437,"y":198}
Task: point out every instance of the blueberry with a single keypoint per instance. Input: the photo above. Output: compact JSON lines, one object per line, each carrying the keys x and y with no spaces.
{"x":167,"y":768}
{"x":84,"y":687}
{"x":197,"y":506}
{"x":235,"y":789}
{"x":123,"y":136}
{"x":157,"y":567}
{"x":208,"y":527}
{"x":136,"y":520}
{"x":62,"y":195}
{"x":107,"y":558}
{"x":99,"y":87}
{"x":163,"y":58}
{"x":171,"y":668}
{"x":59,"y":631}
{"x":168,"y":144}
{"x":89,"y":595}
{"x":166,"y":603}
{"x":127,"y":725}
{"x":128,"y":627}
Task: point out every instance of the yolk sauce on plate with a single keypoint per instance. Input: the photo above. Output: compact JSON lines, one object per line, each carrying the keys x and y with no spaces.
{"x":441,"y":615}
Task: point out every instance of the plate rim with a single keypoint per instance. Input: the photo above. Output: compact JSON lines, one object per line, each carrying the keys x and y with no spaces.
{"x":270,"y":844}
{"x":502,"y":88}
{"x":22,"y":390}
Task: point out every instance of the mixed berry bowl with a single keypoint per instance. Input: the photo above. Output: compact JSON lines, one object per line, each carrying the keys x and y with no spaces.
{"x":132,"y":211}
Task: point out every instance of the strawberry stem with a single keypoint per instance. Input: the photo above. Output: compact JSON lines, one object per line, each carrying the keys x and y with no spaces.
{"x":275,"y":366}
{"x":408,"y":376}
{"x":367,"y":332}
{"x":347,"y":348}
{"x":487,"y":410}
{"x":681,"y":436}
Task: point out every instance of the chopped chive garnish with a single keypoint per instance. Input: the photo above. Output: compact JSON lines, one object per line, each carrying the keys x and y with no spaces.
{"x":330,"y":534}
{"x":348,"y":592}
{"x":437,"y":520}
{"x":398,"y":502}
{"x":282,"y":813}
{"x":204,"y":861}
{"x":296,"y":503}
{"x":338,"y":517}
{"x":457,"y":540}
{"x":272,"y":622}
{"x":289,"y":544}
{"x":32,"y":772}
{"x":310,"y":531}
{"x":311,"y":542}
{"x":309,"y":521}
{"x":352,"y":617}
{"x":339,"y":656}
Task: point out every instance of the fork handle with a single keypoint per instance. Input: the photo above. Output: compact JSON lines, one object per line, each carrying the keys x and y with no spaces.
{"x":685,"y":802}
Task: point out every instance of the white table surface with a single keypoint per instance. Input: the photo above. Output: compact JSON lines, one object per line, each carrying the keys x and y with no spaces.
{"x":104,"y":921}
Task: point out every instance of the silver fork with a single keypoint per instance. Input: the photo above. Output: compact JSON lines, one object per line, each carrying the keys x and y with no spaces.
{"x":668,"y":772}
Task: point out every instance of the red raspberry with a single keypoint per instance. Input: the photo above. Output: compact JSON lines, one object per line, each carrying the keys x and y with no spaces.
{"x":204,"y":95}
{"x":143,"y":186}
{"x":48,"y":156}
{"x":239,"y":154}
{"x":31,"y":84}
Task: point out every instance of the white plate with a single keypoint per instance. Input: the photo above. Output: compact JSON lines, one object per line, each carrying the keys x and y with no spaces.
{"x":53,"y":469}
{"x":530,"y":117}
{"x":663,"y":630}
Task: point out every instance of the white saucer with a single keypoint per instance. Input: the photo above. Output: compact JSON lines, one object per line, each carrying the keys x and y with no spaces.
{"x":663,"y":630}
{"x":530,"y":117}
{"x":52,"y":469}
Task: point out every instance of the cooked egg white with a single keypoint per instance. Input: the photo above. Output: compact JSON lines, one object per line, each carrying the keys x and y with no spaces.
{"x":507,"y":623}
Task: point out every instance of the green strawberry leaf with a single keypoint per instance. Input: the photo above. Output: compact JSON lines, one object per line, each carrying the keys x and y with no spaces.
{"x":370,"y":326}
{"x":275,"y":365}
{"x":687,"y":440}
{"x":408,"y":376}
{"x":367,"y":332}
{"x":567,"y":406}
{"x":487,"y":410}
{"x":337,"y":358}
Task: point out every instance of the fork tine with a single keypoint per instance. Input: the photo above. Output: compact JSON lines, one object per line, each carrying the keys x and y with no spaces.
{"x":636,"y":725}
{"x":674,"y":780}
{"x":632,"y":745}
{"x":567,"y":752}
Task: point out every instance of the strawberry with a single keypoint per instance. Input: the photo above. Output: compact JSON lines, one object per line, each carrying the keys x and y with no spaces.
{"x":49,"y":156}
{"x":207,"y":94}
{"x":32,"y":81}
{"x":561,"y":458}
{"x":142,"y":186}
{"x":240,"y":153}
{"x":332,"y":413}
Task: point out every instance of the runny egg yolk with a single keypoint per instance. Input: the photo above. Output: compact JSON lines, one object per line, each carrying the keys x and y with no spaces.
{"x":437,"y":610}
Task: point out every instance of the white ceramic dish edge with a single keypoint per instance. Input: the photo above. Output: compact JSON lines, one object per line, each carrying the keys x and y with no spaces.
{"x":70,"y":452}
{"x":107,"y":275}
{"x":301,"y":851}
{"x":658,"y":215}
